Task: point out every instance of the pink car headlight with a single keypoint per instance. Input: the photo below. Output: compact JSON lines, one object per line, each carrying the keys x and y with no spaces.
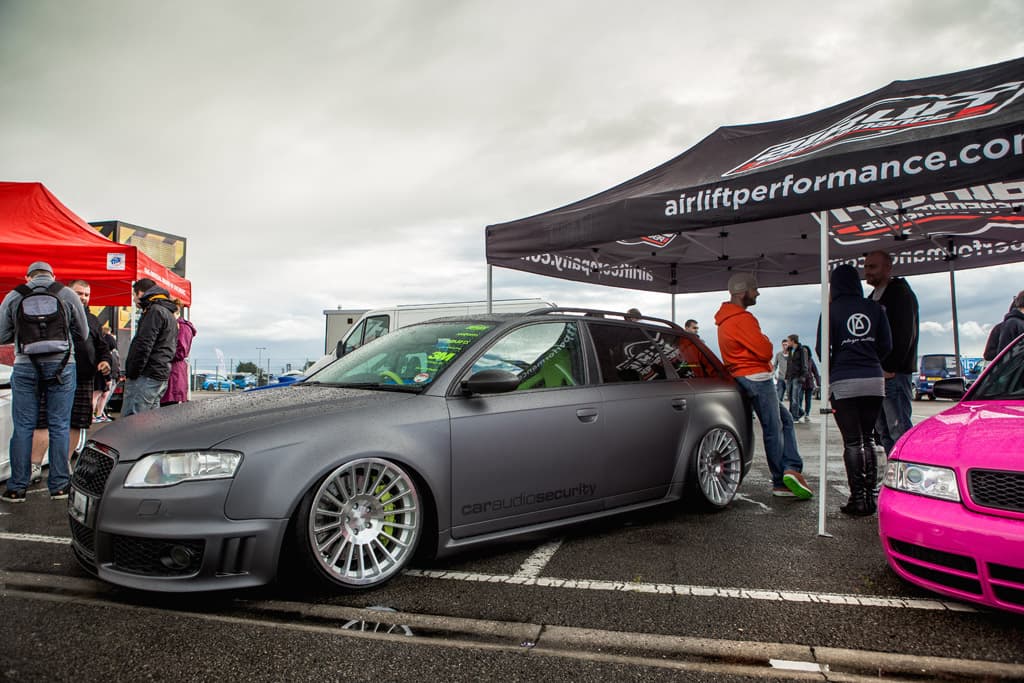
{"x":923,"y":480}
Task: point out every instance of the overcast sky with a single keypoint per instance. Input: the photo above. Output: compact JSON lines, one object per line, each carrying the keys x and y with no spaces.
{"x":335,"y":153}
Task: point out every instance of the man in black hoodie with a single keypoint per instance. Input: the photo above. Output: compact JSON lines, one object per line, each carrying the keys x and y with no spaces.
{"x":1013,"y":323}
{"x":899,"y":366}
{"x":149,"y":357}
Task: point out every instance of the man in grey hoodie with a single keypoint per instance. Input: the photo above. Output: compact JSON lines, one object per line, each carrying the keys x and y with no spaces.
{"x":33,"y":375}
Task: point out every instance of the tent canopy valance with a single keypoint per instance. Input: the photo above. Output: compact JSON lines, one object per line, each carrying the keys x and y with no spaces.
{"x":35,"y":225}
{"x":929,"y":170}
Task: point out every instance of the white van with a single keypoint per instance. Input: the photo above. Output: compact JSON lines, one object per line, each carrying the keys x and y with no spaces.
{"x":379,"y":321}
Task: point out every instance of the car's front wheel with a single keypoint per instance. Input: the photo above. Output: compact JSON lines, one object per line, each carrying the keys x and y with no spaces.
{"x":361,"y":524}
{"x":719,"y":467}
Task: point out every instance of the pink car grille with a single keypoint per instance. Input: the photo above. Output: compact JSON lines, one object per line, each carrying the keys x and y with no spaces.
{"x":996,"y":489}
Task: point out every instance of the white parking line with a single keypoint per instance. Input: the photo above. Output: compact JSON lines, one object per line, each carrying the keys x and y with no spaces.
{"x":748,"y":499}
{"x":689,"y":591}
{"x":536,"y":562}
{"x":528,"y":575}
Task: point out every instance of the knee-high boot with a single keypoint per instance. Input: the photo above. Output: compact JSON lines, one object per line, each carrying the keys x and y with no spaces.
{"x":870,"y":474}
{"x":853,"y":458}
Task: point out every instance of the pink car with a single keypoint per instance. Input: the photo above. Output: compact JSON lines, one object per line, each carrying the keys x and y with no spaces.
{"x":951,"y":512}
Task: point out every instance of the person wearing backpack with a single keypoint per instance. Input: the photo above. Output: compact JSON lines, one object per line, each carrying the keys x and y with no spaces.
{"x":45,"y":320}
{"x":148,"y":365}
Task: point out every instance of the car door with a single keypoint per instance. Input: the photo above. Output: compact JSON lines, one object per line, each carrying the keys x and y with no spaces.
{"x":645,"y":409}
{"x":533,"y":454}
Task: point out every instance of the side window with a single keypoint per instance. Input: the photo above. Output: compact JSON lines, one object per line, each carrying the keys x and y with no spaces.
{"x":626,"y":354}
{"x":543,"y":356}
{"x":375,"y":327}
{"x":355,"y":338}
{"x":687,"y":357}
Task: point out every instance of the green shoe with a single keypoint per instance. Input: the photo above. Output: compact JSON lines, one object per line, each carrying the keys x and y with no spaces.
{"x":796,"y":483}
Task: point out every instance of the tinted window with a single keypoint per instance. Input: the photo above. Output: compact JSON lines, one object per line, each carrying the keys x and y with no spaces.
{"x":626,"y":354}
{"x":937,"y":363}
{"x":543,"y":356}
{"x":1005,"y":378}
{"x":687,"y":357}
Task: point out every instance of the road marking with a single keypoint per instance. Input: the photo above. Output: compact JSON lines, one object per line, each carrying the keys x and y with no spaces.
{"x":35,"y":538}
{"x":542,"y":555}
{"x":748,"y":499}
{"x":536,"y":562}
{"x":690,"y":591}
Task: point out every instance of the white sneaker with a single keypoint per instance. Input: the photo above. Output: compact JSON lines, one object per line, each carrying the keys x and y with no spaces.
{"x":806,"y":419}
{"x":36,"y":475}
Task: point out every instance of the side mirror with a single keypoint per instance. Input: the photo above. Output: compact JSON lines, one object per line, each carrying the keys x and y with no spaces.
{"x":953,"y":388}
{"x":490,"y":382}
{"x":339,"y":348}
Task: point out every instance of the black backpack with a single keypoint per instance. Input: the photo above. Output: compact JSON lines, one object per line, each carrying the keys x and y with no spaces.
{"x":41,"y":323}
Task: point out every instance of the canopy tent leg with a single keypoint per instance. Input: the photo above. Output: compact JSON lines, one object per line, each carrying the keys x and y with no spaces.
{"x":673,"y":318}
{"x":956,"y":324}
{"x":490,"y":288}
{"x":824,"y":411}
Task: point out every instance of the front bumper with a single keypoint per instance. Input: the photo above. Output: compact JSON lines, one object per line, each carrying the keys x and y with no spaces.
{"x":949,"y":549}
{"x":173,"y":539}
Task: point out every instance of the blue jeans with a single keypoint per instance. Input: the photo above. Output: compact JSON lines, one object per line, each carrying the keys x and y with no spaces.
{"x":60,"y":396}
{"x":142,"y":394}
{"x":894,"y":418}
{"x":796,"y":397}
{"x":780,"y":387}
{"x":776,"y":429}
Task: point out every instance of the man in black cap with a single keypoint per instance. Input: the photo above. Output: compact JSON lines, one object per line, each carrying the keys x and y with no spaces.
{"x":44,"y":364}
{"x":148,"y":365}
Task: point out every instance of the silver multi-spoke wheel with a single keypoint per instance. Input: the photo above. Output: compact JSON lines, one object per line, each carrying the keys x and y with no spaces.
{"x":719,"y":467}
{"x":364,"y":522}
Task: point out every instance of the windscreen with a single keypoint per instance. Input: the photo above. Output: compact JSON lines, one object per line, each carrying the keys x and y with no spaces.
{"x":1004,"y":379}
{"x":410,"y":357}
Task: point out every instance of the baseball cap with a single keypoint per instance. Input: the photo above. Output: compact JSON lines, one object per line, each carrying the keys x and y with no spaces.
{"x":39,"y":265}
{"x":742,"y":282}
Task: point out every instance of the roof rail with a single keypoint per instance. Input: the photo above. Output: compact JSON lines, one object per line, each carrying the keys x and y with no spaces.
{"x":610,"y":315}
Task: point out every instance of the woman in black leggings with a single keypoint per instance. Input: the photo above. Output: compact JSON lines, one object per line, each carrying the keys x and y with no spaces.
{"x":859,"y":337}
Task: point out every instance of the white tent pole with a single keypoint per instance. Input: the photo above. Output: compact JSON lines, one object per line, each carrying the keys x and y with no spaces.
{"x":956,"y":325}
{"x":673,"y":307}
{"x":490,"y":288}
{"x":824,"y":411}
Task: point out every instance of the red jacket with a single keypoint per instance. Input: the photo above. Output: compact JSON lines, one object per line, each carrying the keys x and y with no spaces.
{"x":744,"y":347}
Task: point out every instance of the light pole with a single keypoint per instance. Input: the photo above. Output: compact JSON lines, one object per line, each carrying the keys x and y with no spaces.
{"x":259,"y":359}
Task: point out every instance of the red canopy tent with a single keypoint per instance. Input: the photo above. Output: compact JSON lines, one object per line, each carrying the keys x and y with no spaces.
{"x":35,"y":226}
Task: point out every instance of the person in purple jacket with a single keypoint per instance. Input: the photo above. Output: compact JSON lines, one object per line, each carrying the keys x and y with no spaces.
{"x":859,"y":338}
{"x":177,"y":382}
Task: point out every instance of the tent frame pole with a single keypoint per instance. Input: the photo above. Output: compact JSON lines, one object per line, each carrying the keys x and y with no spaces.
{"x":490,"y":289}
{"x":824,"y":412}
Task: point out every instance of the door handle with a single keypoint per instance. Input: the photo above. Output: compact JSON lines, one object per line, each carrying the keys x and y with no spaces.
{"x":587,"y":414}
{"x":679,"y":404}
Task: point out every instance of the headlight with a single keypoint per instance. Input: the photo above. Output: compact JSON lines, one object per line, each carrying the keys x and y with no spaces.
{"x":924,"y":480}
{"x":168,"y":469}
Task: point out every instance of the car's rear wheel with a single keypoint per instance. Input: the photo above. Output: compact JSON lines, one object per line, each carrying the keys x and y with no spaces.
{"x":719,"y":467}
{"x":360,"y":526}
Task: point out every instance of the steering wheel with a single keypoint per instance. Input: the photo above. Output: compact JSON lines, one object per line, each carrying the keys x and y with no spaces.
{"x":391,"y":375}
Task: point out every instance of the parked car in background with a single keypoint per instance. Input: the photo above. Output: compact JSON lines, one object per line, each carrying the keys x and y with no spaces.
{"x":434,"y":438}
{"x":951,"y":511}
{"x":216,"y":383}
{"x":932,"y":368}
{"x":974,"y":371}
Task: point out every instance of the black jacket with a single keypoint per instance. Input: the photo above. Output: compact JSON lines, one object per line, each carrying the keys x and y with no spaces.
{"x":91,"y":354}
{"x":858,"y":329}
{"x":1013,"y":327}
{"x":900,"y":306}
{"x":152,"y":348}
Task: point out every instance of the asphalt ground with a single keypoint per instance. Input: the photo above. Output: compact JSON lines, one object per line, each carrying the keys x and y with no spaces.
{"x":755,"y":578}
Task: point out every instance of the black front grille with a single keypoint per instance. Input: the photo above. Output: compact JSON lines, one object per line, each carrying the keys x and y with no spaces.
{"x":83,"y":535}
{"x":92,"y":470}
{"x":157,"y":557}
{"x":932,"y":556}
{"x":996,"y":489}
{"x":959,"y":583}
{"x":1014,"y":596}
{"x":1002,"y":572}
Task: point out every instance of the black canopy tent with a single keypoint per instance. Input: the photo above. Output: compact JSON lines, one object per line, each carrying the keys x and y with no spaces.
{"x":930,"y":170}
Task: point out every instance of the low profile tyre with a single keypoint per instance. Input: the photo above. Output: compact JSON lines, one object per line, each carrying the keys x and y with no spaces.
{"x":360,"y":526}
{"x":718,"y":466}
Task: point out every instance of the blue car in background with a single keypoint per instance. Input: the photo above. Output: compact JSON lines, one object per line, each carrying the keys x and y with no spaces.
{"x":218,"y":384}
{"x":933,"y":367}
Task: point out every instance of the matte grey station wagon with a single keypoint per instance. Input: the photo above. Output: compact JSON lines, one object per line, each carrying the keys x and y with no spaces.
{"x":434,"y":438}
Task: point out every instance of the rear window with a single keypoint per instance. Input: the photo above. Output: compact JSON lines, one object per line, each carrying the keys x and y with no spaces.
{"x":938,"y":363}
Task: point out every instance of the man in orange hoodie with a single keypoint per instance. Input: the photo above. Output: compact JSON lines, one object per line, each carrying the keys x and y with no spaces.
{"x":747,"y":354}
